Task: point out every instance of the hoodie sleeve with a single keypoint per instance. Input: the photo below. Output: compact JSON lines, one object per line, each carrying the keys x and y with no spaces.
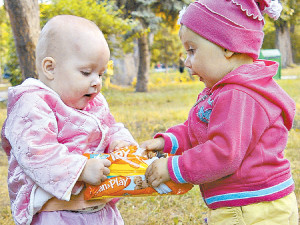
{"x":236,"y":121}
{"x":31,"y":130}
{"x":176,"y":139}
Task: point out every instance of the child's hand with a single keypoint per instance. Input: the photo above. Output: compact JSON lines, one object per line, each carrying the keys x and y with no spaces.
{"x":118,"y":144}
{"x":95,"y":171}
{"x":157,"y":172}
{"x":152,"y":146}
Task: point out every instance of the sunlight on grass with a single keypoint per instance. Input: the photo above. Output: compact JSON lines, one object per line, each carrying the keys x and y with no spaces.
{"x":292,"y":70}
{"x":182,"y":209}
{"x":167,"y":103}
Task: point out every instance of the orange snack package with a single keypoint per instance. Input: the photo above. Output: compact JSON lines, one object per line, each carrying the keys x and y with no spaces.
{"x":127,"y":177}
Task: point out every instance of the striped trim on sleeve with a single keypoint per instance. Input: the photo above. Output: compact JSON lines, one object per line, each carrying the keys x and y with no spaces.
{"x":176,"y":170}
{"x":174,"y":141}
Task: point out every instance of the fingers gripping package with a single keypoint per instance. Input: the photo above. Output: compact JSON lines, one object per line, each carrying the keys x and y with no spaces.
{"x":127,"y":177}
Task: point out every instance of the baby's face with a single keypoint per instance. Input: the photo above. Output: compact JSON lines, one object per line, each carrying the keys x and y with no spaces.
{"x":79,"y":69}
{"x":138,"y":180}
{"x":204,"y":58}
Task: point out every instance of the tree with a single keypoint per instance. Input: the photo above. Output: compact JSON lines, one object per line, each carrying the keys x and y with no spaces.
{"x":142,"y":12}
{"x":283,"y":38}
{"x":166,"y":48}
{"x":145,"y":11}
{"x":25,"y":23}
{"x":284,"y":33}
{"x":295,"y":22}
{"x":284,"y":25}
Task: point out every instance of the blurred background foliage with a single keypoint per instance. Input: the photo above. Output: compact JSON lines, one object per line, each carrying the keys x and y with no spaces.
{"x":121,"y":31}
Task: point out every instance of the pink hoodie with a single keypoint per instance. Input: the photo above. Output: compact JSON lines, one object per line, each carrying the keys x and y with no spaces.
{"x":233,"y":141}
{"x":45,"y":139}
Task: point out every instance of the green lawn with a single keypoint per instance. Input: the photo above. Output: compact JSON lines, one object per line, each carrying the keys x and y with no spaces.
{"x":167,"y":103}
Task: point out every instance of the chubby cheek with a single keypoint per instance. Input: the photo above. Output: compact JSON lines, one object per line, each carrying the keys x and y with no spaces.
{"x":74,"y":98}
{"x":69,"y":100}
{"x":195,"y":64}
{"x":197,"y":68}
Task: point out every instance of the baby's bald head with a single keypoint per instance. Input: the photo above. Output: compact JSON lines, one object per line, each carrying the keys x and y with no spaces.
{"x":63,"y":35}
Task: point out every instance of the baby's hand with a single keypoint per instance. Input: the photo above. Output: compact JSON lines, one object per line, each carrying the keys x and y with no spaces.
{"x":157,"y":172}
{"x":118,"y":144}
{"x":95,"y":171}
{"x":152,"y":146}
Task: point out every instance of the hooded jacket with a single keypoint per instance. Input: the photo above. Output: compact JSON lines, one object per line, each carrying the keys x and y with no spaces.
{"x":233,"y":141}
{"x":45,"y":139}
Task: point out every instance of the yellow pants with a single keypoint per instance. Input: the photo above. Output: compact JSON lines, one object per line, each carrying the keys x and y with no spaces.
{"x":283,"y":211}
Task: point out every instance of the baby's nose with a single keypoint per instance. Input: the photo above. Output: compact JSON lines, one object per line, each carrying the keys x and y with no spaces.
{"x":96,"y":81}
{"x":187,"y":63}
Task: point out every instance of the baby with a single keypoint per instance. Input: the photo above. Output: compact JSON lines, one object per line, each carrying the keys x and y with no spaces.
{"x":52,"y":121}
{"x":140,"y":183}
{"x":232,"y":143}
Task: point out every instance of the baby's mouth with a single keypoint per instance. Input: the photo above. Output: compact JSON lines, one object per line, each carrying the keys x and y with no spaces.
{"x":92,"y":95}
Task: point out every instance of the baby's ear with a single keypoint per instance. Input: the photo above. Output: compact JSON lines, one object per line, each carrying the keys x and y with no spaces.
{"x":48,"y":66}
{"x":228,"y":53}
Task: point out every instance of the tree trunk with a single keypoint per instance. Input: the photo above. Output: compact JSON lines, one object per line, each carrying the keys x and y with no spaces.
{"x":25,"y":22}
{"x":144,"y":63}
{"x":283,"y":43}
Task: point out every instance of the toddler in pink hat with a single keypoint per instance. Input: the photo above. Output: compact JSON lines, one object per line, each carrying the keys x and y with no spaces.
{"x":232,"y":143}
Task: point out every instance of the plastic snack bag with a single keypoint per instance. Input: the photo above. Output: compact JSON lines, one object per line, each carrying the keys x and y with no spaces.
{"x":127,"y":177}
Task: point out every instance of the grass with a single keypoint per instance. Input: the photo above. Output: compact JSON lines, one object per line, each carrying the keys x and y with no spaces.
{"x":167,"y":103}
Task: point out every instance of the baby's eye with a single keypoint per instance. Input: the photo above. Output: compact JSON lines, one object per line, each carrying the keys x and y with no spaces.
{"x":85,"y":73}
{"x":191,"y":51}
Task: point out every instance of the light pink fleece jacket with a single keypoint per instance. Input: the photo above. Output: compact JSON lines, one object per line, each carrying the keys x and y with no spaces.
{"x":45,"y":139}
{"x":233,"y":141}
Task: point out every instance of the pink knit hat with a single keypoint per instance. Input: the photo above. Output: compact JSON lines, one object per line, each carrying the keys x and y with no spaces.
{"x":233,"y":24}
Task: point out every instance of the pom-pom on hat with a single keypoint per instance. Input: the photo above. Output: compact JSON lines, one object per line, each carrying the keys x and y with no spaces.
{"x":232,"y":24}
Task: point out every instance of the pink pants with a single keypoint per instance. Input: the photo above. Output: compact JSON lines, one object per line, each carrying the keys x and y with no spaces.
{"x":108,"y":215}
